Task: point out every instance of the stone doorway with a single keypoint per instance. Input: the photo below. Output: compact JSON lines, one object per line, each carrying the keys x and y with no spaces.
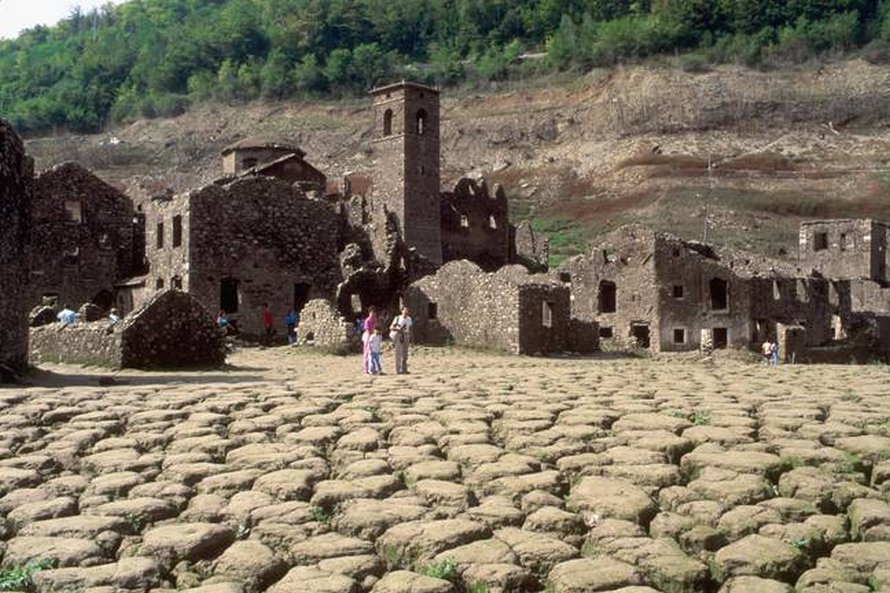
{"x":640,"y":333}
{"x":228,"y":295}
{"x":301,"y":295}
{"x":721,"y":338}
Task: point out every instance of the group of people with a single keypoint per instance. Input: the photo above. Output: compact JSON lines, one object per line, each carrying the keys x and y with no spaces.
{"x":291,"y":320}
{"x":770,"y":352}
{"x":67,"y":316}
{"x":372,"y":341}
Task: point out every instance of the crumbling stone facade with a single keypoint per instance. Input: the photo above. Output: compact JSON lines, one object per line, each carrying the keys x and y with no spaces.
{"x":406,"y":173}
{"x":665,"y":294}
{"x":475,"y":225}
{"x":83,"y":237}
{"x":845,"y":248}
{"x":16,"y":187}
{"x":508,"y":310}
{"x":238,"y":246}
{"x":171,"y":330}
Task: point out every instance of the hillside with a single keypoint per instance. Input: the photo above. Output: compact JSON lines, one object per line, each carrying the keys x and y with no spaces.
{"x":583,"y":155}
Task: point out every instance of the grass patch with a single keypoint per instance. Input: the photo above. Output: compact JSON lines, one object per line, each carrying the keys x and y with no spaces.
{"x":19,"y":578}
{"x":700,"y":418}
{"x":445,"y":570}
{"x":319,"y":515}
{"x":566,"y":238}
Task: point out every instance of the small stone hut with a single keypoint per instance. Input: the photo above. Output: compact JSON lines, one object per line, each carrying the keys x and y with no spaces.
{"x":171,"y":330}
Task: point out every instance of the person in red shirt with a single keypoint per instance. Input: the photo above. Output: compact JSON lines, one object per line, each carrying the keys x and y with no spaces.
{"x":268,"y":323}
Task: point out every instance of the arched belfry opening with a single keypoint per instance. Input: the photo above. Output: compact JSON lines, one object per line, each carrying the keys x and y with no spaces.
{"x":421,"y":122}
{"x":387,"y":122}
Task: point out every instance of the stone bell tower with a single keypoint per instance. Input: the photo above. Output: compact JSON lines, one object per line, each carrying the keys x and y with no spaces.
{"x":406,"y":172}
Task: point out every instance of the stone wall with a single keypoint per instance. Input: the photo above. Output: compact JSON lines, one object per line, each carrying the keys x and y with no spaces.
{"x":475,"y":225}
{"x":322,"y":324}
{"x":504,"y":310}
{"x":83,"y":237}
{"x":171,"y":330}
{"x":16,"y":186}
{"x":845,"y":248}
{"x":93,"y":344}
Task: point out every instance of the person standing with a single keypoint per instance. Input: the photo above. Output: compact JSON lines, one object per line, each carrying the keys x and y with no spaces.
{"x":774,"y":353}
{"x":268,"y":323}
{"x":291,"y":320}
{"x":375,"y":346}
{"x":400,"y":332}
{"x":369,"y":326}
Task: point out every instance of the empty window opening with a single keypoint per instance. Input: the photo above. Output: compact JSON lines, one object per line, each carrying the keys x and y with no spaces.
{"x":176,"y":282}
{"x":803,"y":293}
{"x":432,"y":310}
{"x":228,"y":295}
{"x":640,"y":333}
{"x":606,"y":333}
{"x":464,"y":221}
{"x":547,"y":314}
{"x":301,"y":295}
{"x":777,"y":292}
{"x":248,"y":162}
{"x":720,"y":337}
{"x":842,"y":242}
{"x":177,"y":230}
{"x":676,"y":252}
{"x":421,"y":122}
{"x":492,"y":222}
{"x":422,"y":170}
{"x":565,"y":277}
{"x":607,"y":297}
{"x":679,"y":336}
{"x":159,"y":234}
{"x":387,"y":122}
{"x":73,"y":211}
{"x":159,"y":284}
{"x":820,"y":241}
{"x":719,"y":289}
{"x":678,"y":291}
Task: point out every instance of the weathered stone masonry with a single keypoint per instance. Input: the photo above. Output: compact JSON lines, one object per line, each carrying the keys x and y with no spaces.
{"x":16,"y":186}
{"x":250,"y":242}
{"x":508,"y":310}
{"x":83,"y":239}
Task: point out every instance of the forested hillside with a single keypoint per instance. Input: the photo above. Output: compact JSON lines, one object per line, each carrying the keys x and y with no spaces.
{"x":155,"y":57}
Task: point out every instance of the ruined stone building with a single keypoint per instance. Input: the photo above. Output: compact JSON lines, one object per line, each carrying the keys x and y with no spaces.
{"x":475,"y":225}
{"x":243,"y":244}
{"x":508,"y":310}
{"x":666,"y":294}
{"x":16,"y":187}
{"x":83,"y":238}
{"x":845,"y":248}
{"x":269,"y":157}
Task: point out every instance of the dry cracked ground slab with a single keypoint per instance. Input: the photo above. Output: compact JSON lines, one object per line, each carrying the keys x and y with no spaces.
{"x":294,"y":473}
